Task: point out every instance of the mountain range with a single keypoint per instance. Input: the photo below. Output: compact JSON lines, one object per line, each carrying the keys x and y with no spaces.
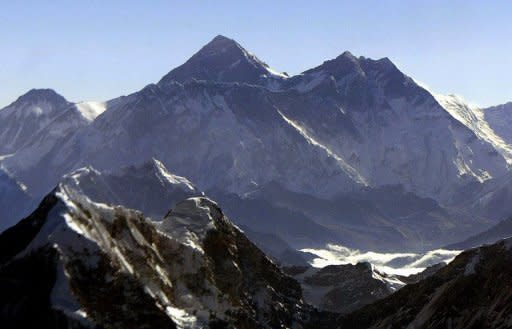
{"x":101,"y":266}
{"x":186,"y":204}
{"x":240,"y":131}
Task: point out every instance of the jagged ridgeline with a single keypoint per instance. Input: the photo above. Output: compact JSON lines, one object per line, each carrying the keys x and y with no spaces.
{"x":352,"y":151}
{"x":80,"y":264}
{"x":76,"y":263}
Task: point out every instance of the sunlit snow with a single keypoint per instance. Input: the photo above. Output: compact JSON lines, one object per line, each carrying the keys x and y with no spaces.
{"x":90,"y":110}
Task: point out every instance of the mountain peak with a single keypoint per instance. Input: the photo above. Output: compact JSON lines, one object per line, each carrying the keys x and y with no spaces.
{"x":348,"y":54}
{"x":222,"y":60}
{"x":222,"y":40}
{"x":36,"y":103}
{"x":42,"y":95}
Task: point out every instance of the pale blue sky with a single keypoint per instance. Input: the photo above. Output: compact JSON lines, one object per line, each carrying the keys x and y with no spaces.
{"x":96,"y":50}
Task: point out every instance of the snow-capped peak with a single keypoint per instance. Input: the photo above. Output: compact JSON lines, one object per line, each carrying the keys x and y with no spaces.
{"x":190,"y":220}
{"x":41,"y":95}
{"x":473,"y":117}
{"x":36,"y":102}
{"x":223,"y":60}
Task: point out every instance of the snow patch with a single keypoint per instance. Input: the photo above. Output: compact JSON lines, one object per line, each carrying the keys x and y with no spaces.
{"x":189,"y":222}
{"x":343,"y":164}
{"x":173,"y":179}
{"x":181,"y":318}
{"x":90,"y":110}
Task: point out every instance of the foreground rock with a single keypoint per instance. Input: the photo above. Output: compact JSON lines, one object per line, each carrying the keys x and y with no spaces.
{"x":473,"y":291}
{"x":76,"y":263}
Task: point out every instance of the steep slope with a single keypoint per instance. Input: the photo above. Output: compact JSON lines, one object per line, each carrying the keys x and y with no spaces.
{"x":152,"y":189}
{"x":500,"y":120}
{"x":41,"y":115}
{"x":394,"y":131}
{"x":493,"y":200}
{"x":15,"y":203}
{"x":22,"y":119}
{"x":223,"y":60}
{"x":34,"y":126}
{"x":113,"y":268}
{"x":479,"y":121}
{"x":473,"y":291}
{"x":500,"y":231}
{"x":215,"y":135}
{"x":148,"y":187}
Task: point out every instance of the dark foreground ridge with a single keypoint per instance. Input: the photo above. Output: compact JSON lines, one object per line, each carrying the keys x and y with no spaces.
{"x":82,"y":264}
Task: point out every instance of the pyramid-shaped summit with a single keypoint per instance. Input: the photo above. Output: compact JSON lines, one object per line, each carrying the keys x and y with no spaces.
{"x":37,"y":96}
{"x":221,"y":60}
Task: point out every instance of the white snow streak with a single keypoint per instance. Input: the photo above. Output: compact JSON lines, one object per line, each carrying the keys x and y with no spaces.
{"x":344,"y":165}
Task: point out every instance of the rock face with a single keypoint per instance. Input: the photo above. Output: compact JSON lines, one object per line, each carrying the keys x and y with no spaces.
{"x":223,"y":60}
{"x":473,"y":291}
{"x":40,"y":117}
{"x":500,"y":119}
{"x":480,"y":121}
{"x":23,"y":119}
{"x":148,"y":187}
{"x":343,"y":288}
{"x":15,"y":202}
{"x":110,"y":267}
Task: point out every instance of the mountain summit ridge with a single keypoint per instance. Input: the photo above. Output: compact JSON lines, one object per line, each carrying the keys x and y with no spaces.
{"x":222,"y":60}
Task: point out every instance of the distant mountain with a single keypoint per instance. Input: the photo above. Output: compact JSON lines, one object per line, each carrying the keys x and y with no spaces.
{"x":386,"y":218}
{"x":227,"y":122}
{"x":500,"y":119}
{"x":42,"y":114}
{"x":34,"y":126}
{"x":358,"y":121}
{"x":24,"y":118}
{"x":223,"y":60}
{"x":502,"y":230}
{"x":479,"y":121}
{"x":489,"y":200}
{"x":76,"y":263}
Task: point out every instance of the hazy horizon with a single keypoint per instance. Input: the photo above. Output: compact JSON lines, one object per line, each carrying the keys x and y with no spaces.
{"x":103,"y":50}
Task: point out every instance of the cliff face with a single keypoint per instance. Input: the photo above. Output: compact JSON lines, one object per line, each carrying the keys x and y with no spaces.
{"x":100,"y":266}
{"x":473,"y":291}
